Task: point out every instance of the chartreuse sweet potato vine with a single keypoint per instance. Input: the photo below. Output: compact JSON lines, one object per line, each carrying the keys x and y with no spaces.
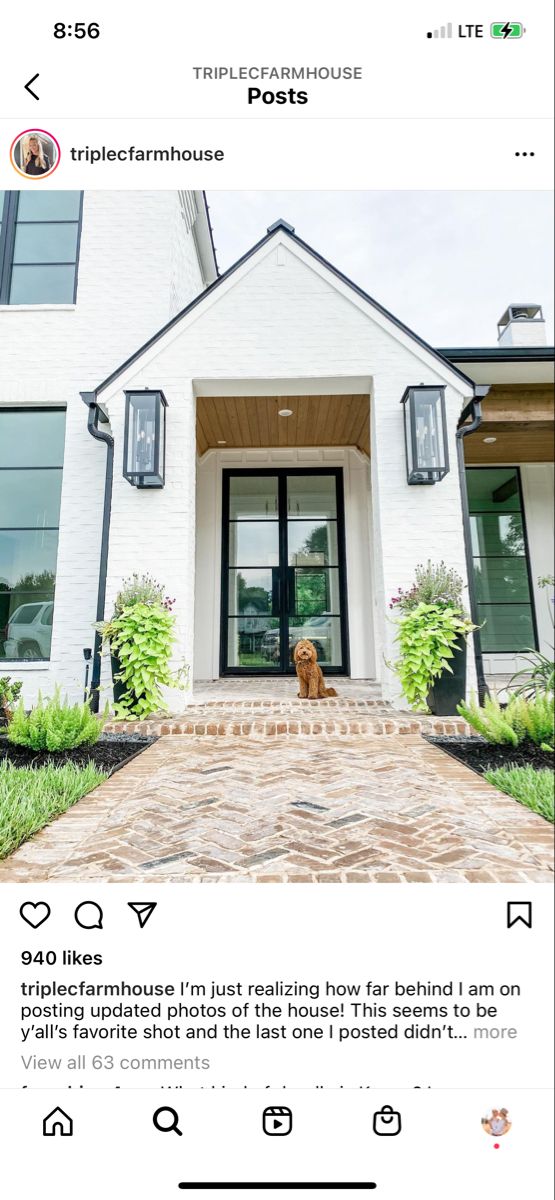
{"x":427,"y":636}
{"x":141,"y":635}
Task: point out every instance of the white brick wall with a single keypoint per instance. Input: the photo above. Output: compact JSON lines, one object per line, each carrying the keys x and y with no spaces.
{"x":138,"y":265}
{"x":282,"y":317}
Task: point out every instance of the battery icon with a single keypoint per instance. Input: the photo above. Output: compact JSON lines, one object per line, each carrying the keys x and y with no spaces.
{"x":507,"y":29}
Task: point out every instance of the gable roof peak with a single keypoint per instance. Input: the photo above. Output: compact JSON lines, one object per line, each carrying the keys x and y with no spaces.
{"x":281,"y":224}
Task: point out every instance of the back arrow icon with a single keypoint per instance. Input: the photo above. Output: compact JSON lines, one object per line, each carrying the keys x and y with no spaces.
{"x":28,"y":87}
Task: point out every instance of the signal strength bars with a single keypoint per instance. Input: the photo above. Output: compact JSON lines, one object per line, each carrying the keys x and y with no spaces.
{"x":444,"y":31}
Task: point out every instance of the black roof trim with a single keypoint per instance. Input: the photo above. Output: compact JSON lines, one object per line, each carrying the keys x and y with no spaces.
{"x":281,"y":225}
{"x":509,"y":354}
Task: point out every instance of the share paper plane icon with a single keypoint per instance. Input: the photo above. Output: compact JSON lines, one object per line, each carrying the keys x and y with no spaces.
{"x":144,"y":911}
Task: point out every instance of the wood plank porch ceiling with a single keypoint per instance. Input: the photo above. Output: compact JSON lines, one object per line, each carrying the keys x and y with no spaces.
{"x":521,"y":419}
{"x":253,"y":421}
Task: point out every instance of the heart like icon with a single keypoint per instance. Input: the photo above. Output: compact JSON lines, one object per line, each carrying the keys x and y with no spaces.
{"x":35,"y":914}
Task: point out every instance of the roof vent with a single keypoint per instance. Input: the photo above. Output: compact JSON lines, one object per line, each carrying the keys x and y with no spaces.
{"x":281,"y":224}
{"x":522,"y":325}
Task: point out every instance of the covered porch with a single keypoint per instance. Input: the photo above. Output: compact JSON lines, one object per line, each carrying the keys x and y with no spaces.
{"x":283,"y":530}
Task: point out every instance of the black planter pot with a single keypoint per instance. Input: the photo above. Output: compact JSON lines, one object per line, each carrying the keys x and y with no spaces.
{"x":448,"y":690}
{"x":118,"y":684}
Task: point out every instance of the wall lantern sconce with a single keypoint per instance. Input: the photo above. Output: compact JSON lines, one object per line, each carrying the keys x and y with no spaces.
{"x":144,"y":452}
{"x":425,"y":434}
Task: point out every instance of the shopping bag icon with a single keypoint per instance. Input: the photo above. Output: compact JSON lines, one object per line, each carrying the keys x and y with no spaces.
{"x":387,"y":1122}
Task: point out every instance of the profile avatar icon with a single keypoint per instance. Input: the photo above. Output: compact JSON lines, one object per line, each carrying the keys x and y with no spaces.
{"x":35,"y":153}
{"x":497,"y":1124}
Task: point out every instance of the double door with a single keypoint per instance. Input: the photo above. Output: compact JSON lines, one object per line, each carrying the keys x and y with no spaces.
{"x":283,"y":569}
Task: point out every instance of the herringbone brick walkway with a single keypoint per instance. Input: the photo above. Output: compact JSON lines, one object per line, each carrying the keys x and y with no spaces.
{"x":338,"y":808}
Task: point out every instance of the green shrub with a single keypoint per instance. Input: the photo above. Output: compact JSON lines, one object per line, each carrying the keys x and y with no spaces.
{"x":54,"y":725}
{"x":142,"y":638}
{"x":427,"y":637}
{"x":522,"y":720}
{"x":538,"y":678}
{"x":533,"y":788}
{"x":9,"y":695}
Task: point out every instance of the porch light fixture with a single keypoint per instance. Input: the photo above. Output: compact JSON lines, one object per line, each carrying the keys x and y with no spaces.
{"x":489,"y":440}
{"x":144,"y":451}
{"x":425,"y":434}
{"x":285,"y":412}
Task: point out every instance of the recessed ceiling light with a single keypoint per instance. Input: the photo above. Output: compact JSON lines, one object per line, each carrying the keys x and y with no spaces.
{"x":285,"y":412}
{"x":489,"y":440}
{"x":222,"y":442}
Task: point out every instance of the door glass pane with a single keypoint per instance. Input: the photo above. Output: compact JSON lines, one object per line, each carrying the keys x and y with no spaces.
{"x":312,"y":543}
{"x":46,"y":243}
{"x":253,"y":642}
{"x":42,"y":285}
{"x":27,"y":559}
{"x":311,"y":496}
{"x":30,"y":499}
{"x":253,"y":496}
{"x":497,"y":534}
{"x":508,"y":627}
{"x":315,"y":592}
{"x":323,"y":632}
{"x":30,"y":438}
{"x":501,"y":579}
{"x":493,"y":489}
{"x":48,"y":206}
{"x":250,"y":592}
{"x":253,"y":544}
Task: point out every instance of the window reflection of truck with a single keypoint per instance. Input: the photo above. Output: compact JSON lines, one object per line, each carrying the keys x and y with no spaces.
{"x":317,"y":629}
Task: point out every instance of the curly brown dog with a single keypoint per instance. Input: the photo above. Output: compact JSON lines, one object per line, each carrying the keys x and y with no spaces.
{"x":309,"y":674}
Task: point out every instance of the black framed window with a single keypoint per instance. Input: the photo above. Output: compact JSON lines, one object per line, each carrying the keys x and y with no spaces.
{"x":31,"y":463}
{"x":500,"y":557}
{"x":39,"y":247}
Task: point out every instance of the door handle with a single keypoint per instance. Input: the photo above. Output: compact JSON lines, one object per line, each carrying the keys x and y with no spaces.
{"x":276,"y":592}
{"x":291,"y":606}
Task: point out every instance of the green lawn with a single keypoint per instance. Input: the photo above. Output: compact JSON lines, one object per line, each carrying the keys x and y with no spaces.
{"x":533,"y":788}
{"x":31,"y":797}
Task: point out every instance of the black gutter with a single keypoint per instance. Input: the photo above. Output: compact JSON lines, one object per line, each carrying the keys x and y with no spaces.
{"x":281,"y":225}
{"x":211,"y":232}
{"x":474,"y":411}
{"x":94,"y":416}
{"x":500,"y":354}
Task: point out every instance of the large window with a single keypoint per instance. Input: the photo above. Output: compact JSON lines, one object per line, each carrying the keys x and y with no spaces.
{"x":31,"y":460}
{"x":39,"y":247}
{"x":499,"y":550}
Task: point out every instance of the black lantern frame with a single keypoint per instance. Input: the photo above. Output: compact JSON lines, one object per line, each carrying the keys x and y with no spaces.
{"x":144,"y":448}
{"x":426,"y":447}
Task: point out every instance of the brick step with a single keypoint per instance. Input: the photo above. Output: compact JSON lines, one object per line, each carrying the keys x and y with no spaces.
{"x":280,"y":725}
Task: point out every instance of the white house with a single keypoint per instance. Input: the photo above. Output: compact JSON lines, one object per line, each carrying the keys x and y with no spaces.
{"x":283,"y":503}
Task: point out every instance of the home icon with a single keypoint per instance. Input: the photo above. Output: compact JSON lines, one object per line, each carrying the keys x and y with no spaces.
{"x":57,"y":1122}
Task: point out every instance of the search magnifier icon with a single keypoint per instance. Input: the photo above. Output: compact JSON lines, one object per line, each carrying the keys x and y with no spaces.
{"x":166,"y":1120}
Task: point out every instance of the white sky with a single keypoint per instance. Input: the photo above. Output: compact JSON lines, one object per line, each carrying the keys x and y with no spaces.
{"x":445,"y":263}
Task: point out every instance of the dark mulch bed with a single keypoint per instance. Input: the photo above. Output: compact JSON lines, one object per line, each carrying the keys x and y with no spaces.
{"x":111,"y":752}
{"x":476,"y":753}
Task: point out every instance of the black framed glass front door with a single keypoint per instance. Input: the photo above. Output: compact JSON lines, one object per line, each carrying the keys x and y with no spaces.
{"x":283,"y":569}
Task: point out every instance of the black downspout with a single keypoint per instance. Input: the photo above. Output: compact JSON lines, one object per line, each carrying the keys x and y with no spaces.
{"x":473,"y":410}
{"x":95,"y":414}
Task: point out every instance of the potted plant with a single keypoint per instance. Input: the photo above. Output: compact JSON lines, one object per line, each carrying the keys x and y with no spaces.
{"x":433,"y":628}
{"x":9,"y":695}
{"x":140,"y":636}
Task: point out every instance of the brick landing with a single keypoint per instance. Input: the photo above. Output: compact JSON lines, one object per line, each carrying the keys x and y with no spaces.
{"x":291,"y":809}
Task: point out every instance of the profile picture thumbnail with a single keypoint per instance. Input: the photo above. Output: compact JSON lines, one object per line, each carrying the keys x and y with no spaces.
{"x":35,"y":153}
{"x":497,"y":1123}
